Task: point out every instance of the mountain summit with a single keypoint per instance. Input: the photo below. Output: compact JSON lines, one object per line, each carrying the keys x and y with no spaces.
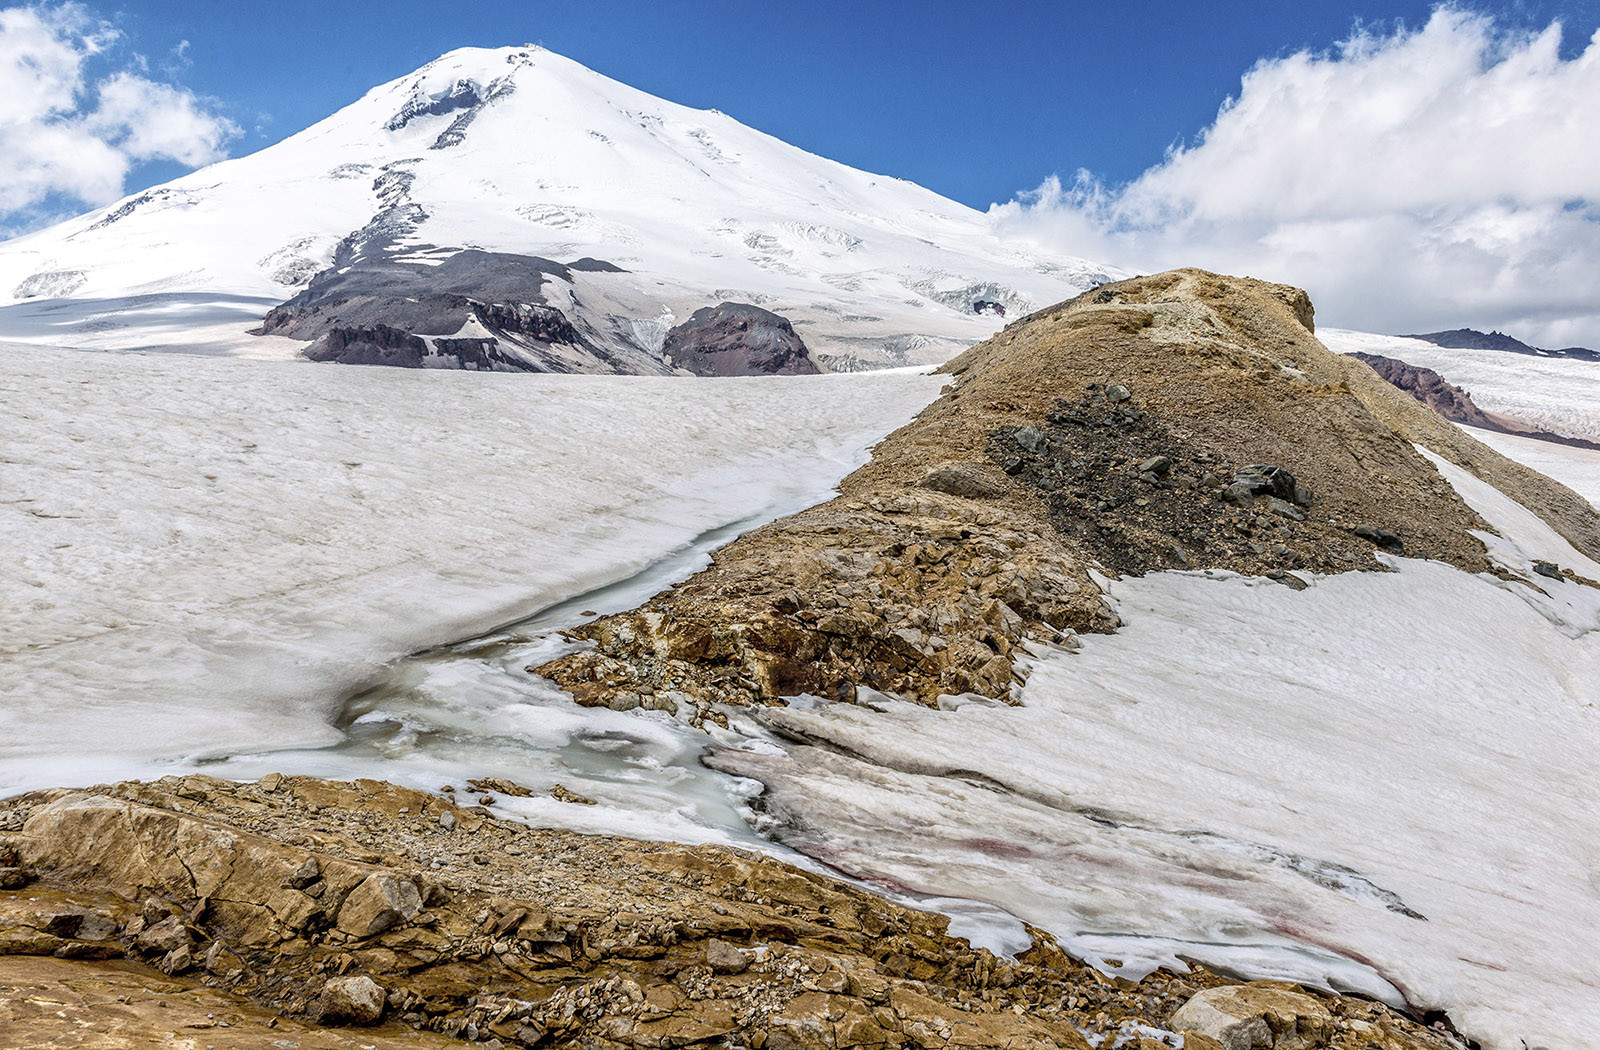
{"x":520,"y":151}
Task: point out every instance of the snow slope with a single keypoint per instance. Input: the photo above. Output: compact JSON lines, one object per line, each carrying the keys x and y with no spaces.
{"x":206,"y":554}
{"x":1385,"y":782}
{"x":521,"y":150}
{"x":1576,"y":468}
{"x":1559,"y":394}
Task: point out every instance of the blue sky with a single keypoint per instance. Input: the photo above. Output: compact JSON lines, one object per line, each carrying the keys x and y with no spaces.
{"x":976,"y":101}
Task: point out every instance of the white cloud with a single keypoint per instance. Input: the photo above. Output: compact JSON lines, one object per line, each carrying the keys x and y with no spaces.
{"x":1412,"y":180}
{"x":68,"y":134}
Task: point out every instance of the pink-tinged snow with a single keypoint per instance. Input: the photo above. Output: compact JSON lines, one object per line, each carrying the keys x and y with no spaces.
{"x":1385,"y":782}
{"x":204,"y":555}
{"x":1559,"y":394}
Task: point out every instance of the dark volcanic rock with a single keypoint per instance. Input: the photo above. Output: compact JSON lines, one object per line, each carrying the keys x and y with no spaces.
{"x":377,"y":345}
{"x":425,"y":297}
{"x":410,"y":308}
{"x":1429,"y":387}
{"x":1472,"y":339}
{"x":1454,"y":403}
{"x":463,"y":94}
{"x":737,"y":339}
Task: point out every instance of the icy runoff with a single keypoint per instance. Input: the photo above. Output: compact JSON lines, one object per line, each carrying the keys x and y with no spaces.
{"x":520,"y":150}
{"x":204,"y":555}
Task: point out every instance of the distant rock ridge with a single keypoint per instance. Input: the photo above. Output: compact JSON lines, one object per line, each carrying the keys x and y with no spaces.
{"x":468,"y":309}
{"x":1472,"y":339}
{"x":494,"y":311}
{"x":1183,"y":420}
{"x":1454,"y":403}
{"x":738,"y":339}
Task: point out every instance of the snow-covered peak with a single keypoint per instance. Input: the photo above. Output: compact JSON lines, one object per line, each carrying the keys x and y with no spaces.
{"x":520,"y":150}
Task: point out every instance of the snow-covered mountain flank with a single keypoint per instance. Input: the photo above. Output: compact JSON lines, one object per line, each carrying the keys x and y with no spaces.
{"x":636,"y":213}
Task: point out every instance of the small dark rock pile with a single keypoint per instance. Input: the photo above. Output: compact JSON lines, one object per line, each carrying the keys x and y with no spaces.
{"x":1139,"y":495}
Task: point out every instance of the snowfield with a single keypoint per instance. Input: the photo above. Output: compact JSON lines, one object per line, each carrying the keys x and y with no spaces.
{"x":1559,"y":394}
{"x":1576,"y":468}
{"x":1370,"y":785}
{"x":205,"y":554}
{"x":1385,"y":783}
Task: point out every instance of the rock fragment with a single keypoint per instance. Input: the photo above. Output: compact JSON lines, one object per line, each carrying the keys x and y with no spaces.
{"x":304,"y":875}
{"x":1385,"y":538}
{"x":1266,"y":1015}
{"x":725,"y":958}
{"x":382,"y":900}
{"x":351,"y":1000}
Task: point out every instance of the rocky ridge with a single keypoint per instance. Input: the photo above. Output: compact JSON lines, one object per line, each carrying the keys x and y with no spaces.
{"x":1454,"y":403}
{"x":1180,"y":421}
{"x":292,"y":902}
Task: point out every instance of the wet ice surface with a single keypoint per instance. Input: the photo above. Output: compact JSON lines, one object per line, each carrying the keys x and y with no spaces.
{"x":207,"y":554}
{"x":1384,"y":783}
{"x":471,"y":710}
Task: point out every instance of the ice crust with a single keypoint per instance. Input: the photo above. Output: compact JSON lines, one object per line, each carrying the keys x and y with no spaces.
{"x":207,"y":554}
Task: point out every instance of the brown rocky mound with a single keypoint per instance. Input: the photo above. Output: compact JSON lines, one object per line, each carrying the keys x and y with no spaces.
{"x":266,"y":907}
{"x":1180,"y":420}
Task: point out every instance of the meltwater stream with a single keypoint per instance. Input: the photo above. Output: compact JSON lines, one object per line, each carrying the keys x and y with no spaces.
{"x":471,"y":710}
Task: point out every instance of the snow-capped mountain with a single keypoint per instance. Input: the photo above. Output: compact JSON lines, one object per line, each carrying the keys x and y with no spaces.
{"x":521,"y":151}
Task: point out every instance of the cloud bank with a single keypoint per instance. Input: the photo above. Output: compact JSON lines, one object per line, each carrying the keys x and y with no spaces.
{"x":71,"y":130}
{"x":1410,"y":180}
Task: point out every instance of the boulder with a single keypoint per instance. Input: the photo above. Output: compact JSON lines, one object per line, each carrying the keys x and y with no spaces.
{"x":1385,"y":538}
{"x":351,"y":1000}
{"x":964,"y":480}
{"x":1266,"y":1015}
{"x":382,"y":900}
{"x":738,"y":339}
{"x":723,"y":957}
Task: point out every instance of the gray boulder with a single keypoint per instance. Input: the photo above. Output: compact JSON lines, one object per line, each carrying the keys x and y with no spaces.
{"x":351,"y":1000}
{"x":737,"y":339}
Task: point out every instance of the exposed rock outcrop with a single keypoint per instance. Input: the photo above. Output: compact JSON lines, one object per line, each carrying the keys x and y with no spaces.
{"x":1472,"y":339}
{"x":1180,"y":420}
{"x":378,"y":345}
{"x":1454,"y":403}
{"x":471,"y":309}
{"x":1429,"y":387}
{"x":518,"y":937}
{"x":738,"y":339}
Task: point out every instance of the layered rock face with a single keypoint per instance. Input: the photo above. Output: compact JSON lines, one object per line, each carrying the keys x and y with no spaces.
{"x":296,"y":901}
{"x":1183,"y":420}
{"x":737,"y":339}
{"x":1429,"y":387}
